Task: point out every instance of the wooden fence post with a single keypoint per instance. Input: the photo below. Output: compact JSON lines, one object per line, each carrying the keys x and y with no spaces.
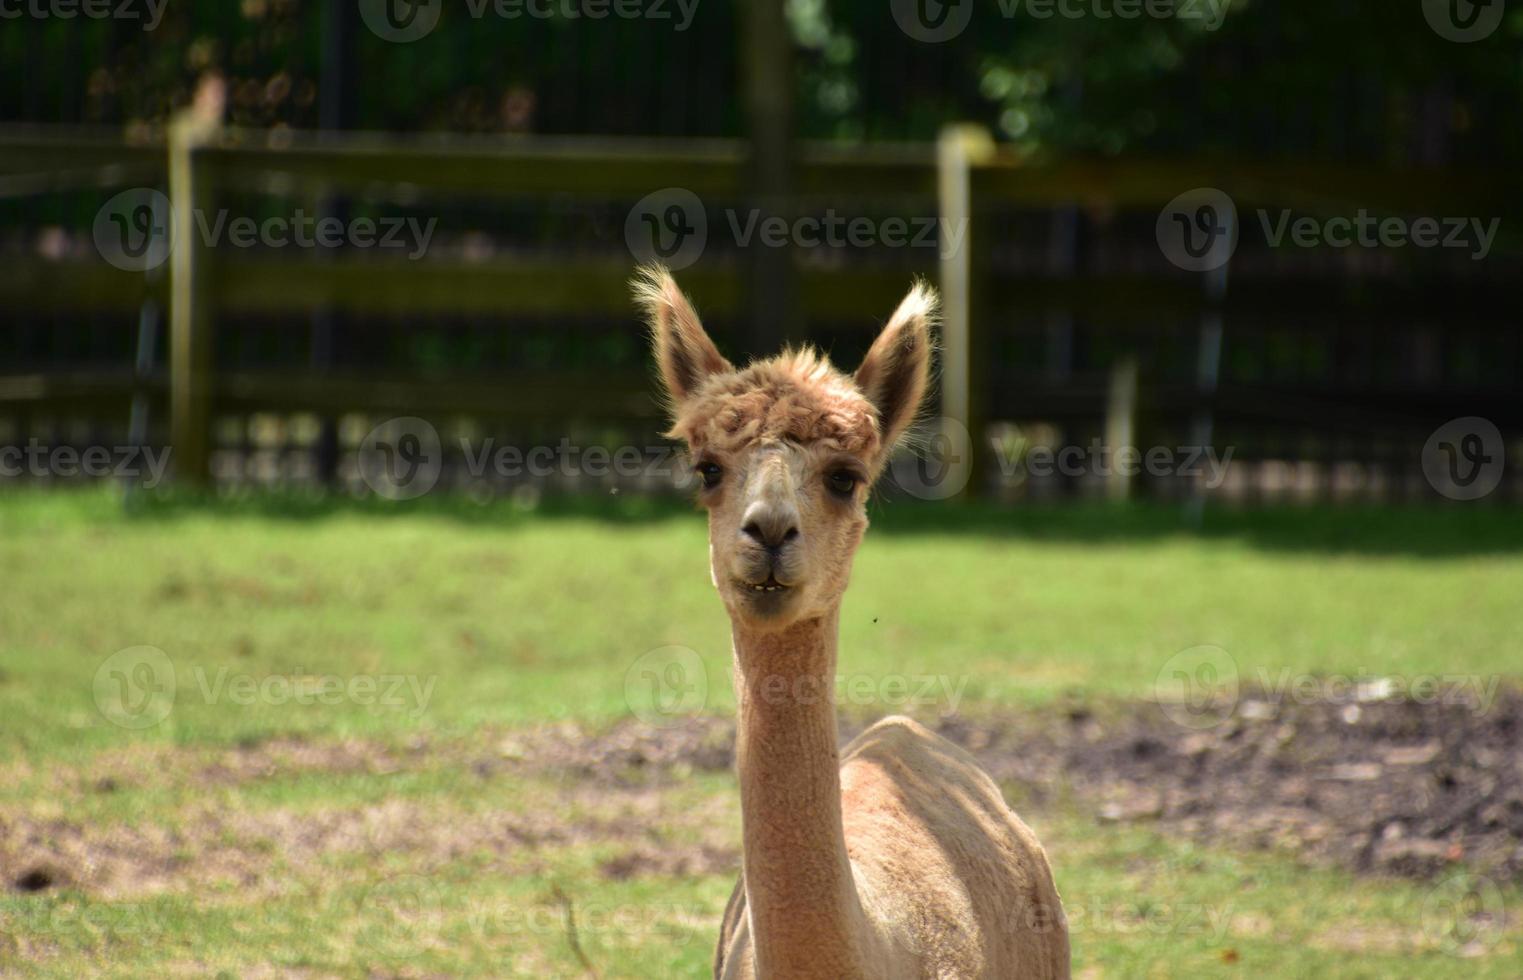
{"x":1121,"y":425}
{"x":190,"y":315}
{"x":958,"y":150}
{"x":766,"y":59}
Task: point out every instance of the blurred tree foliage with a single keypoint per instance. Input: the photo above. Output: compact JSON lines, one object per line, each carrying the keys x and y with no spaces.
{"x":1363,"y":79}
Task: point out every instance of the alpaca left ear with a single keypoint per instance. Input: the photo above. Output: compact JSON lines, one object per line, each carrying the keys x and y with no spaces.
{"x":897,"y":367}
{"x":684,"y":353}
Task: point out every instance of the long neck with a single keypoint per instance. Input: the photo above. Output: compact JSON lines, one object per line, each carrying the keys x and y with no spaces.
{"x":806,"y":920}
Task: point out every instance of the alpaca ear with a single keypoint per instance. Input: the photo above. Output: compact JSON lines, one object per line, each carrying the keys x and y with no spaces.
{"x":684,"y":352}
{"x":897,"y":367}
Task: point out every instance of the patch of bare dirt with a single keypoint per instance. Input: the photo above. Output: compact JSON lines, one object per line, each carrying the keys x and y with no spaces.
{"x":1388,"y":786}
{"x":685,"y":862}
{"x":627,"y":753}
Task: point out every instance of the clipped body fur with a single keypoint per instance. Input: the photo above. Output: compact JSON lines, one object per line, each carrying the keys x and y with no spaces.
{"x":948,"y":874}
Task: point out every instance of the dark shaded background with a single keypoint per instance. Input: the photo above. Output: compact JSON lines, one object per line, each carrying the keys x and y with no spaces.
{"x":1331,"y":358}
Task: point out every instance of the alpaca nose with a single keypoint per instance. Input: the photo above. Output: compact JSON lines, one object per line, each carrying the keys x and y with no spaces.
{"x":770,"y":527}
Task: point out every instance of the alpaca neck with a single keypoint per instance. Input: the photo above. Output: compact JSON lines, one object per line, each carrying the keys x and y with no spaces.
{"x":806,"y":920}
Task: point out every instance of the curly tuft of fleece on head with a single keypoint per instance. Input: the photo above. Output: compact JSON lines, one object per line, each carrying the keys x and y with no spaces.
{"x":796,"y":396}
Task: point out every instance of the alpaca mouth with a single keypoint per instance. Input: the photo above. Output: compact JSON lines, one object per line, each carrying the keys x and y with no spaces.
{"x":770,"y":585}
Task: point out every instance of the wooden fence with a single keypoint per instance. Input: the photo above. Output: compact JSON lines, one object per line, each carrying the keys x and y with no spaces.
{"x":964,"y":178}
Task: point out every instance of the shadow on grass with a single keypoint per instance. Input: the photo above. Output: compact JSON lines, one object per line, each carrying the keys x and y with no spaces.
{"x":1436,"y":530}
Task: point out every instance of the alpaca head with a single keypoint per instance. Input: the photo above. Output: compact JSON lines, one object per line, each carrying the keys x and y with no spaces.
{"x":785,"y":450}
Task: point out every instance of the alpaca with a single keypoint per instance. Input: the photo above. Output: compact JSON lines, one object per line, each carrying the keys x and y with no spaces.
{"x":898,"y":858}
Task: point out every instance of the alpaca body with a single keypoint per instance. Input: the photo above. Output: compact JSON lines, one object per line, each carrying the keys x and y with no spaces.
{"x":952,"y":882}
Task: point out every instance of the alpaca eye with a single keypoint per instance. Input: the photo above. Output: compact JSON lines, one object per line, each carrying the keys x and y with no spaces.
{"x":710,"y":474}
{"x":842,"y":482}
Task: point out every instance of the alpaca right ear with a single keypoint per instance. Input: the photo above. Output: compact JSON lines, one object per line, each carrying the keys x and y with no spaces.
{"x":684,"y":352}
{"x":897,"y":368}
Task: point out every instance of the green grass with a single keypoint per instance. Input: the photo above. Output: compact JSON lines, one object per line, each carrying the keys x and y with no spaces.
{"x":501,"y":619}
